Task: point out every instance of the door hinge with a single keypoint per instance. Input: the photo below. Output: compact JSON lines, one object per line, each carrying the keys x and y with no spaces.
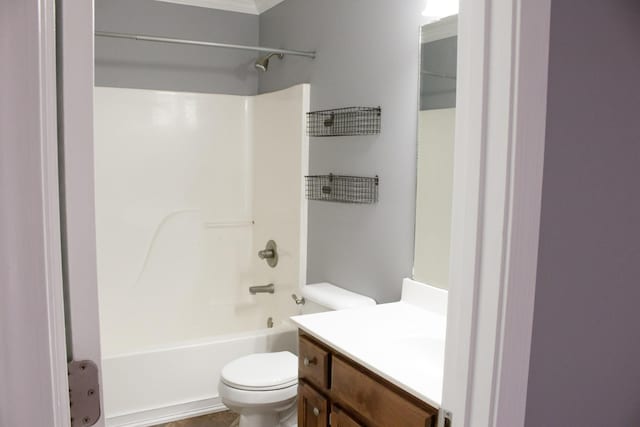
{"x":330,"y":413}
{"x":444,"y":418}
{"x":84,"y":393}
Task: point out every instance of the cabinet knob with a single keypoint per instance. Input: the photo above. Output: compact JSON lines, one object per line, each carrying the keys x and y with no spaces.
{"x":306,"y":361}
{"x":316,"y":412}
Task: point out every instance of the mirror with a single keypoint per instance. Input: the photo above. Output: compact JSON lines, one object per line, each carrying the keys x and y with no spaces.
{"x":436,"y":134}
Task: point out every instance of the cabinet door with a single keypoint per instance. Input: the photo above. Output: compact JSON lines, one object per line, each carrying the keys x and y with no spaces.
{"x":375,"y":402}
{"x":313,"y":410}
{"x":339,"y":418}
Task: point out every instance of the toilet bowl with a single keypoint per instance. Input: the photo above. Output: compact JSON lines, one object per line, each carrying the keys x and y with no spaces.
{"x":262,"y":388}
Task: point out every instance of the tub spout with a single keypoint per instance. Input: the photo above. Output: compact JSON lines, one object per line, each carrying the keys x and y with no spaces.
{"x":264,"y":289}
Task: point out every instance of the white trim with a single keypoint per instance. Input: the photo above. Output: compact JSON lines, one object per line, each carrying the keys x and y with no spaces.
{"x":497,"y":192}
{"x":304,"y":205}
{"x":51,"y":207}
{"x":240,"y":6}
{"x":442,"y":29}
{"x":466,"y":208}
{"x":76,"y":73}
{"x":253,"y":7}
{"x":156,"y":416}
{"x":264,"y":5}
{"x":527,"y":162}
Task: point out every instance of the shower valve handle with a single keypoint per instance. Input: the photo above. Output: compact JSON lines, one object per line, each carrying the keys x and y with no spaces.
{"x":269,"y":253}
{"x":266,"y":254}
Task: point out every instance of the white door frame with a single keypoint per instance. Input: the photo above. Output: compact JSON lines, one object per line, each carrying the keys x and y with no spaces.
{"x":500,"y":140}
{"x":500,"y":136}
{"x":33,"y":356}
{"x":75,"y":20}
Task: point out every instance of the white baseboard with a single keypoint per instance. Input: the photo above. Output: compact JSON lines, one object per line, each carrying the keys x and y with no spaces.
{"x":151,"y":417}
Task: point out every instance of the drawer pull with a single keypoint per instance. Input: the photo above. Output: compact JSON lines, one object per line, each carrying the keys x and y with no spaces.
{"x":316,"y":412}
{"x":306,"y":361}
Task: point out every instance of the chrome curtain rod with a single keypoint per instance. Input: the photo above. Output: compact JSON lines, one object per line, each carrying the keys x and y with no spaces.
{"x":208,"y":44}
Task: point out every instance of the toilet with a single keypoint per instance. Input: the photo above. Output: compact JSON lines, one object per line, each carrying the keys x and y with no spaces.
{"x":263,"y":387}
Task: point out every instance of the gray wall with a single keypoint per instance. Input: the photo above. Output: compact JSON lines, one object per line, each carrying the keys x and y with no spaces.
{"x":368,"y":54}
{"x":147,"y":65}
{"x":585,"y":353}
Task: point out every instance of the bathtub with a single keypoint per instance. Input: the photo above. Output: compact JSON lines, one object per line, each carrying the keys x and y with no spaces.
{"x":172,"y":383}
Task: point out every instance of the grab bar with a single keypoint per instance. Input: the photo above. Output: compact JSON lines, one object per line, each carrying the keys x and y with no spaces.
{"x":264,"y":289}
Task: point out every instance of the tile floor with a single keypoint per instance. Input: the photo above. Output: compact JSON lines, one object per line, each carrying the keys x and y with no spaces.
{"x":219,"y":419}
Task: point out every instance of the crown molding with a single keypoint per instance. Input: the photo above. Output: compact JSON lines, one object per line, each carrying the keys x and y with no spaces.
{"x":253,"y":7}
{"x":264,"y":5}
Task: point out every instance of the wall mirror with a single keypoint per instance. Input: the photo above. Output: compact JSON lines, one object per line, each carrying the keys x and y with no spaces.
{"x":436,"y":134}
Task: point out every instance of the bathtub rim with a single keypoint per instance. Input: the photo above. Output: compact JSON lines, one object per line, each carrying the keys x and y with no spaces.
{"x":284,"y":326}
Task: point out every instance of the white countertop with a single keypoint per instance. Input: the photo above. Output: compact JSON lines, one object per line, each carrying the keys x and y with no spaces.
{"x":403,"y":342}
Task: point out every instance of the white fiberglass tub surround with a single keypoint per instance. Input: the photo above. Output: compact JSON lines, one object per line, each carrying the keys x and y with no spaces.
{"x":188,"y":188}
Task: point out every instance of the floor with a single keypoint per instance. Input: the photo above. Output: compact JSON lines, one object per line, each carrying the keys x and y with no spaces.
{"x":219,"y":419}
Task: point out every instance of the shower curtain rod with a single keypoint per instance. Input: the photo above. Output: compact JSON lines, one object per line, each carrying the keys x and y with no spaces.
{"x":201,"y":43}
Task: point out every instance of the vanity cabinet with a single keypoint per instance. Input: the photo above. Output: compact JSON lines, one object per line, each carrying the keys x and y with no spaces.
{"x":340,"y":418}
{"x":337,"y":391}
{"x":313,"y":409}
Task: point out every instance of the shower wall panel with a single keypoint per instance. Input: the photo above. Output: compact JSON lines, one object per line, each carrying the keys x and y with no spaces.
{"x":173,"y":213}
{"x":188,"y":187}
{"x":279,"y":205}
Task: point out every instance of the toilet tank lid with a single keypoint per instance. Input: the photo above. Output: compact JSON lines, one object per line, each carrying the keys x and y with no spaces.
{"x":333,"y":297}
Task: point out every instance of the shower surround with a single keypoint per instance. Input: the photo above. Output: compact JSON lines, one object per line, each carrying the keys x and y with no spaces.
{"x":189,"y":187}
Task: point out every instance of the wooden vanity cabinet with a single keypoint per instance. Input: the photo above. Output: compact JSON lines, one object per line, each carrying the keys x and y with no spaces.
{"x":334,"y":390}
{"x":313,"y":363}
{"x":313,"y":408}
{"x":340,"y":418}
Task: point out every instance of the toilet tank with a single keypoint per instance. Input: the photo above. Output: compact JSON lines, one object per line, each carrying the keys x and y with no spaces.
{"x":325,"y":296}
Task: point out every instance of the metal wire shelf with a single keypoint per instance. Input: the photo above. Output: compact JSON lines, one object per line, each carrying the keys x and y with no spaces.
{"x":344,"y":121}
{"x":342,"y":188}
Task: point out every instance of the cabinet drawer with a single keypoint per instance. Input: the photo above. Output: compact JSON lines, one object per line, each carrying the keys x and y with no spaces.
{"x":375,"y":402}
{"x":313,"y":408}
{"x":340,"y":418}
{"x":313,"y":363}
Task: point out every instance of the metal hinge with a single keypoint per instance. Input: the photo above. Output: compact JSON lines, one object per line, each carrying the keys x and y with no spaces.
{"x":444,"y":418}
{"x":84,"y":393}
{"x":330,"y":413}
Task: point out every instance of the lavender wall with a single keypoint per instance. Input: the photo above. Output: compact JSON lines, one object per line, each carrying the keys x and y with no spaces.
{"x":26,"y":384}
{"x":585,"y":358}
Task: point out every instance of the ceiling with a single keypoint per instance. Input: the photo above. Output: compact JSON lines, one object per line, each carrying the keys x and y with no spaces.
{"x":254,"y":7}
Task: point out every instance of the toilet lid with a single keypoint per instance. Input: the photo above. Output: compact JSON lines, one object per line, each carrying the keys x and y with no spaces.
{"x":262,"y":371}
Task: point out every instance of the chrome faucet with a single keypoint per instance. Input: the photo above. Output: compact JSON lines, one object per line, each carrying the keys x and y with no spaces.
{"x":264,"y":289}
{"x":298,"y":300}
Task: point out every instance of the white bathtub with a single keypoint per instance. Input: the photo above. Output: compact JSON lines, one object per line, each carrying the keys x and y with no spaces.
{"x":168,"y":384}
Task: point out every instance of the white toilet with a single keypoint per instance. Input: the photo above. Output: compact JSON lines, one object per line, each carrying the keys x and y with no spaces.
{"x":263,"y":387}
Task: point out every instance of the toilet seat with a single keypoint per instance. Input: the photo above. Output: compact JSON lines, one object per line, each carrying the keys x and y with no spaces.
{"x":250,"y":398}
{"x":261,"y":372}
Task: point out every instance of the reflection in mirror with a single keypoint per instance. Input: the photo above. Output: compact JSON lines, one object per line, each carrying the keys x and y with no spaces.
{"x":436,"y":131}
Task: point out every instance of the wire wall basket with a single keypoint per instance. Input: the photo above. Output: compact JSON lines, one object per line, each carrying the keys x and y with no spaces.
{"x":342,"y":188}
{"x":344,"y":121}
